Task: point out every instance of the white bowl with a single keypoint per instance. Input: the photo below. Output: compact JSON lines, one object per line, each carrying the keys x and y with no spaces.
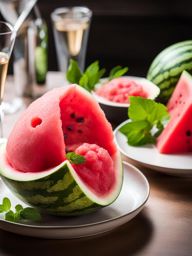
{"x":118,"y":112}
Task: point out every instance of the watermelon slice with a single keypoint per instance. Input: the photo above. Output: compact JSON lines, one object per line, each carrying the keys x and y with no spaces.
{"x":177,"y":135}
{"x":33,"y":163}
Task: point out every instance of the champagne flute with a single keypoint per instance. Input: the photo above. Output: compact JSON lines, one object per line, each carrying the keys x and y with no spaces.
{"x":7,"y":39}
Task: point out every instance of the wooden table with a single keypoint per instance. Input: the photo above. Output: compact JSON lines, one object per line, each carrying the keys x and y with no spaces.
{"x":163,"y":228}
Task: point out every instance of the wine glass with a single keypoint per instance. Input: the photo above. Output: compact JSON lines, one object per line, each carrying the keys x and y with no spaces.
{"x":7,"y":39}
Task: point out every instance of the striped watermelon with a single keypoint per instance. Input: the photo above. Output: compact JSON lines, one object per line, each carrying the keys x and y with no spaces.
{"x":33,"y":163}
{"x":167,"y":67}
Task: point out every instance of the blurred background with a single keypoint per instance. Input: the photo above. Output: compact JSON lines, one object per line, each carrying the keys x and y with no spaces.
{"x":125,"y":32}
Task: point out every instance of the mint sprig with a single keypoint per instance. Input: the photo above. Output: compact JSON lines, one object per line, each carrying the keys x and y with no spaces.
{"x":87,"y":79}
{"x":19,"y":213}
{"x":92,"y":75}
{"x":117,"y":72}
{"x":147,"y":121}
{"x":75,"y":158}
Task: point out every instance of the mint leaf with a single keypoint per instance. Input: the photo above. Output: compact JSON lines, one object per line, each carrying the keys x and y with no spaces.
{"x":73,"y":74}
{"x":6,"y":204}
{"x":147,"y":109}
{"x":30,"y":213}
{"x":1,"y":208}
{"x":138,"y":132}
{"x":10,"y":216}
{"x":101,"y":72}
{"x":84,"y":82}
{"x":93,"y":74}
{"x":117,"y":72}
{"x":75,"y":158}
{"x":20,"y":213}
{"x":147,"y":121}
{"x":88,"y":79}
{"x":18,"y":208}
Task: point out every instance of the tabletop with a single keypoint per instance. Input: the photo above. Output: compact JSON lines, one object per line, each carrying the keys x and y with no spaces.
{"x":164,"y":226}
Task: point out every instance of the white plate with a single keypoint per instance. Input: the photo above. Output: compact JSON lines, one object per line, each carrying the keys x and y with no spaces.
{"x":134,"y":194}
{"x":148,"y":156}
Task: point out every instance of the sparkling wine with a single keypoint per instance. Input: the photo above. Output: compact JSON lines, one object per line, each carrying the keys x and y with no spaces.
{"x":71,"y":33}
{"x":4,"y":59}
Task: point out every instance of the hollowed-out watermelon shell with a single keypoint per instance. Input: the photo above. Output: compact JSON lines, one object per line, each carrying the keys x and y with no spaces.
{"x":33,"y":162}
{"x":58,"y":191}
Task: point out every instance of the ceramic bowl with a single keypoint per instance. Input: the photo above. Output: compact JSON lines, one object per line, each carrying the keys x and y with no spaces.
{"x":118,"y":112}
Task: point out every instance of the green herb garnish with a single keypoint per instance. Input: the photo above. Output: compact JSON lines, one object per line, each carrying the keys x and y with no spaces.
{"x":117,"y":72}
{"x":92,"y":75}
{"x":75,"y":158}
{"x":19,"y":213}
{"x":73,"y":74}
{"x":147,"y":121}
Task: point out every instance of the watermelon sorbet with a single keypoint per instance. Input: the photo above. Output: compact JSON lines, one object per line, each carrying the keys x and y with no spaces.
{"x":98,"y":169}
{"x":119,"y":90}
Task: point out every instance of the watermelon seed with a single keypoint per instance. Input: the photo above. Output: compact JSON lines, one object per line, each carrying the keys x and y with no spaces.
{"x":79,"y":131}
{"x":70,"y":128}
{"x":180,"y":95}
{"x":80,"y":119}
{"x":188,"y":133}
{"x":72,"y":115}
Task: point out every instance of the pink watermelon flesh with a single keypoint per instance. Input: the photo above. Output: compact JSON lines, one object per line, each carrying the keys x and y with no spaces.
{"x":59,"y":121}
{"x":98,"y":170}
{"x":119,"y":90}
{"x":177,"y":135}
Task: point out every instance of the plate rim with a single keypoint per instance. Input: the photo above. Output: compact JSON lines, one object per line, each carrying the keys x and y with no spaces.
{"x":143,"y":162}
{"x":27,"y":226}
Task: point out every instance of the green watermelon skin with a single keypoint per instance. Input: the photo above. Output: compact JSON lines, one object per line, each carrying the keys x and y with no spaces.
{"x":167,"y":67}
{"x":59,"y":192}
{"x":176,"y":138}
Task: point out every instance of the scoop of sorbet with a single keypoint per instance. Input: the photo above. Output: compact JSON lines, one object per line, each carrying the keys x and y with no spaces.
{"x":97,"y":171}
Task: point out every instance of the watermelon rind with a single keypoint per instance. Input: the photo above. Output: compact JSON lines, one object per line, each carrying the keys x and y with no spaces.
{"x":167,"y":67}
{"x":58,"y":191}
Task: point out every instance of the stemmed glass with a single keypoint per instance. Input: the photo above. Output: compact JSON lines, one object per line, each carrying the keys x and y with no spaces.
{"x":7,"y":39}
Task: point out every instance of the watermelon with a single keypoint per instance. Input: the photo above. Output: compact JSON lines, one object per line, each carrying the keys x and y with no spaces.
{"x":177,"y":135}
{"x":167,"y":67}
{"x":34,"y":162}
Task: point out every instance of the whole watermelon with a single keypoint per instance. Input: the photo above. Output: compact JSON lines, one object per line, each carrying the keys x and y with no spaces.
{"x":167,"y":67}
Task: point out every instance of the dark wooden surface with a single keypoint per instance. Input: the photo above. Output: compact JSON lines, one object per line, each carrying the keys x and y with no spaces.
{"x":163,"y":228}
